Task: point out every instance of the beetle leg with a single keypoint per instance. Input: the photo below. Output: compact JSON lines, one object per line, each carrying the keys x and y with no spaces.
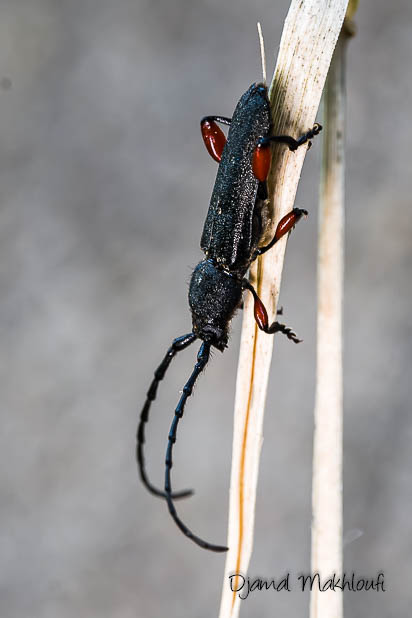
{"x":262,"y":319}
{"x":180,"y":343}
{"x":278,"y":311}
{"x":262,"y":155}
{"x":213,"y":136}
{"x":284,"y":226}
{"x":262,"y":191}
{"x":294,"y":143}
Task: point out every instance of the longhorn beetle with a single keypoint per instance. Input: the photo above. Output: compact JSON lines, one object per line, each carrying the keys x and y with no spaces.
{"x":231,"y":238}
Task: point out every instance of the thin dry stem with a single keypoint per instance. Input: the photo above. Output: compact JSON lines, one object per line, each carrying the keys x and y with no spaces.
{"x":327,"y":558}
{"x":308,"y":40}
{"x":327,"y":450}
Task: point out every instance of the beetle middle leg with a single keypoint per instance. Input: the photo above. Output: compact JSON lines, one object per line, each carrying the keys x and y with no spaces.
{"x":262,"y":319}
{"x":284,"y":226}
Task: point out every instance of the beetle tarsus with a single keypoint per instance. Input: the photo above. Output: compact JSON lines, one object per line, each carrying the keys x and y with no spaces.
{"x":277,"y":327}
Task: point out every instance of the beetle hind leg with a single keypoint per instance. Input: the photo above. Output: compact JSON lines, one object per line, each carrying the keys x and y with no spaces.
{"x":213,"y":137}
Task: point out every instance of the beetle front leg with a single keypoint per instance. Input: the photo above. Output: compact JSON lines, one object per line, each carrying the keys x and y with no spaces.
{"x":262,"y":320}
{"x":278,"y":311}
{"x":213,"y":136}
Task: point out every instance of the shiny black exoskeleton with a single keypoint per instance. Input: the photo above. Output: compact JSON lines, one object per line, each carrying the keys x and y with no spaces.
{"x":233,"y":226}
{"x":232,"y":232}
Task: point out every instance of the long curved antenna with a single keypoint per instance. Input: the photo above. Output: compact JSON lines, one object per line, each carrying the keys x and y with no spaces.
{"x":202,"y":358}
{"x":178,"y":344}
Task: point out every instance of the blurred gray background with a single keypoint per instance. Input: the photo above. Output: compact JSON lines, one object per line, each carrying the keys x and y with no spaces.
{"x":104,"y":186}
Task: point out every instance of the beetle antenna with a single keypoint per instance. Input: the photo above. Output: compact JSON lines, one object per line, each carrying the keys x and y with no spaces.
{"x":262,"y":51}
{"x":180,"y":343}
{"x":202,"y":359}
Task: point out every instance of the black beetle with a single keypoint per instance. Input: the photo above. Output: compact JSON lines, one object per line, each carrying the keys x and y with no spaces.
{"x":232,"y":232}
